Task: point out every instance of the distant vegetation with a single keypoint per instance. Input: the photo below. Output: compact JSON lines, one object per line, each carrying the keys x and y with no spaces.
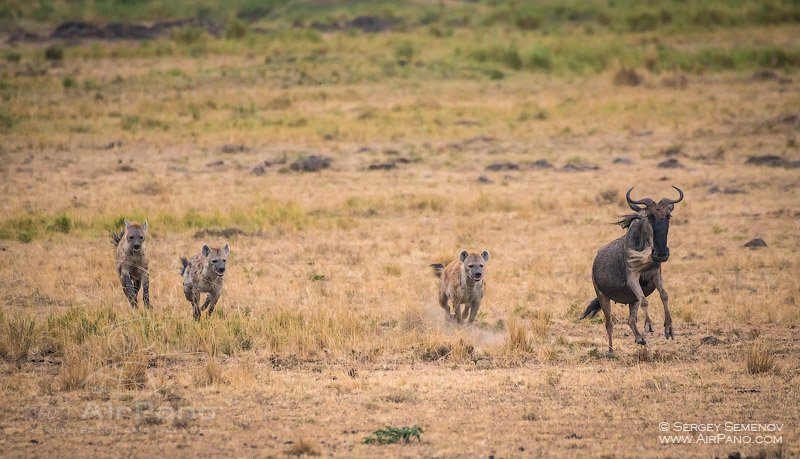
{"x":454,"y":40}
{"x":550,"y":16}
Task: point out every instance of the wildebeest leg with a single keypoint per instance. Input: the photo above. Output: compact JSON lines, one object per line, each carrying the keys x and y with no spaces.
{"x":633,"y":284}
{"x":605,"y":305}
{"x":648,"y":325}
{"x":457,"y":308}
{"x":665,"y":301}
{"x":146,"y":289}
{"x":473,"y":311}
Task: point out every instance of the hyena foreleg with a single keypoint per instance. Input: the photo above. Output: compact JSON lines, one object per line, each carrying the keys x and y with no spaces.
{"x":212,"y":301}
{"x":473,"y":310}
{"x":130,"y":289}
{"x":443,"y":304}
{"x":146,"y":290}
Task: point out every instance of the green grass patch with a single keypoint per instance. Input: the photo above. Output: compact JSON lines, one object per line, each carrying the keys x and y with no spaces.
{"x":391,"y":435}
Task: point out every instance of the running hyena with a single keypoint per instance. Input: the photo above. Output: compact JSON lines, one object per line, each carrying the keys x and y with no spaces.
{"x":204,"y":274}
{"x":132,"y":262}
{"x":462,"y":282}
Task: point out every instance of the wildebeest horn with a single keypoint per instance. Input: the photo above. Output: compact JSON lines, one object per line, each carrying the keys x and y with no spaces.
{"x":633,"y":204}
{"x":680,"y":198}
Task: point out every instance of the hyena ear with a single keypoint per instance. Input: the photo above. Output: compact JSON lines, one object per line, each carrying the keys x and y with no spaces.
{"x":127,"y":223}
{"x":226,"y":250}
{"x":205,"y":250}
{"x":463,"y":255}
{"x":485,"y":255}
{"x":144,"y":225}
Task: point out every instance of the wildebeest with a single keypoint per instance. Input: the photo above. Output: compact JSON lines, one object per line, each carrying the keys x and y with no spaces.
{"x":628,"y":269}
{"x":132,"y":261}
{"x":204,"y":273}
{"x":462,"y":282}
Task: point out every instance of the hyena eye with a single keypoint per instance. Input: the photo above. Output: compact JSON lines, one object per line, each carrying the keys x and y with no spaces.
{"x":471,"y":266}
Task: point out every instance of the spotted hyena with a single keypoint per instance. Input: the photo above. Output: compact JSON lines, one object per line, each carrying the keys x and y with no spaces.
{"x":204,"y":273}
{"x":132,"y":262}
{"x":462,"y":282}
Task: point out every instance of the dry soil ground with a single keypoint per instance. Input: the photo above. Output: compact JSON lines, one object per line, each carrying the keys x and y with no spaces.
{"x":328,"y":328}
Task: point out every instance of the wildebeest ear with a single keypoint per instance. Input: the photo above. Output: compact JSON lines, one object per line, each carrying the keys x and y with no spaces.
{"x":144,"y":225}
{"x":463,"y":255}
{"x":485,"y":255}
{"x":127,"y":223}
{"x":205,"y":250}
{"x":226,"y":249}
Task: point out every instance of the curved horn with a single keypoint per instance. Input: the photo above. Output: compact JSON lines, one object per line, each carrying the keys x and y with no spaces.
{"x":633,"y":204}
{"x":680,"y":198}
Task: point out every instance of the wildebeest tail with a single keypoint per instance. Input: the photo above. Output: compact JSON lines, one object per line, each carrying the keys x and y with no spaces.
{"x":184,"y":265}
{"x":437,"y":269}
{"x":115,"y":238}
{"x":592,"y":309}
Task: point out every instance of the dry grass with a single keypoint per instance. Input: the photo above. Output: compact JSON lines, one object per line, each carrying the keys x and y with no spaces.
{"x":329,"y":327}
{"x":760,"y":359}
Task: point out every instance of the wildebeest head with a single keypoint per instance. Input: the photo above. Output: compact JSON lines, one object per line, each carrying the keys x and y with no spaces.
{"x":135,"y":234}
{"x":216,"y":259}
{"x":472,"y":263}
{"x":657,"y":215}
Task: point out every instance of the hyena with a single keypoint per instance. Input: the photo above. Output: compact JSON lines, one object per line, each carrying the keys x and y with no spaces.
{"x":204,"y":273}
{"x":462,"y":282}
{"x":132,"y":262}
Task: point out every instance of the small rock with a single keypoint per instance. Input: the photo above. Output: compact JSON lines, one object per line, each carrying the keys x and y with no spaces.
{"x":502,"y":167}
{"x":233,"y":148}
{"x":311,"y":163}
{"x":670,"y":164}
{"x":710,"y":341}
{"x":765,"y":75}
{"x":219,"y":232}
{"x":772,"y":161}
{"x":484,"y":179}
{"x":382,"y":166}
{"x":674,"y":150}
{"x":579,"y":167}
{"x":676,"y":81}
{"x":627,"y":77}
{"x":755,"y":243}
{"x":623,"y":161}
{"x":259,"y":170}
{"x":715,"y":189}
{"x":541,"y":164}
{"x":216,"y":163}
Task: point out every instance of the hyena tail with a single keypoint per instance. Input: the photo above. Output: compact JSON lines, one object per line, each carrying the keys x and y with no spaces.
{"x":437,"y":269}
{"x":184,"y":265}
{"x":592,"y":309}
{"x":115,"y":238}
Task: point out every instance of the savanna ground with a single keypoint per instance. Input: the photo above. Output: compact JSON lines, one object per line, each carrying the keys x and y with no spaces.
{"x":328,"y":328}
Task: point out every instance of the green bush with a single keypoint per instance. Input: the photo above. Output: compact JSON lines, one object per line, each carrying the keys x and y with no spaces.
{"x":54,"y":53}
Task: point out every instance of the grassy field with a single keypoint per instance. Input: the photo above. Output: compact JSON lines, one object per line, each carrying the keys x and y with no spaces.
{"x":329,"y":327}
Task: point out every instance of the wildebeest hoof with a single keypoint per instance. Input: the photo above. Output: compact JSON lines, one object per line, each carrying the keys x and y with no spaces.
{"x":668,"y":332}
{"x":640,"y":340}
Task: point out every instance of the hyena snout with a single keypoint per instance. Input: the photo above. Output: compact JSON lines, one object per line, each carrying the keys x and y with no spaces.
{"x":219,"y":267}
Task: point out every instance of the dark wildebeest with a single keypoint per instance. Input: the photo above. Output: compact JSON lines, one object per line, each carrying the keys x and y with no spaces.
{"x":628,"y":269}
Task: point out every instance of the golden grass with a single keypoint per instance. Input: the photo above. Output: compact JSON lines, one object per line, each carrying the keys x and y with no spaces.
{"x":329,"y":321}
